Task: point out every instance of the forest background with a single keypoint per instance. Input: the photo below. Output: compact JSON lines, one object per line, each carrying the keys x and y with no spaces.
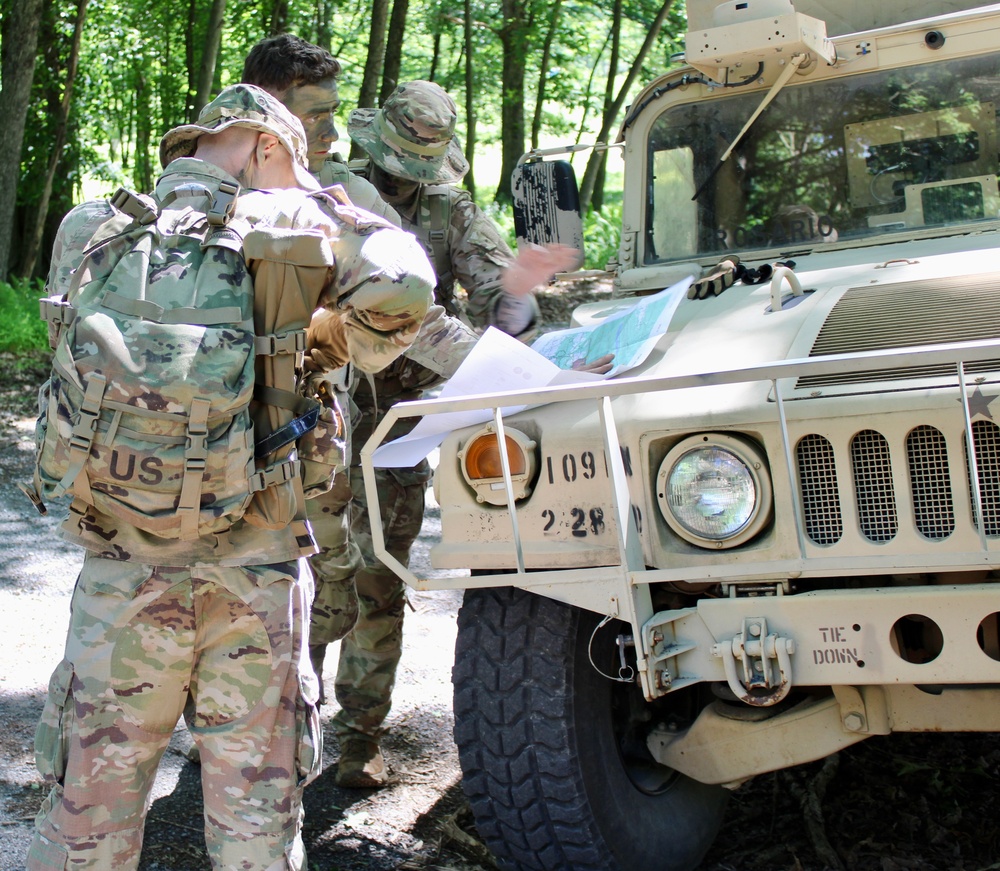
{"x":87,"y":87}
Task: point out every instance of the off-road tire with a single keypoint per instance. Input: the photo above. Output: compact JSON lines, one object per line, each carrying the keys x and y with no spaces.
{"x":542,"y":763}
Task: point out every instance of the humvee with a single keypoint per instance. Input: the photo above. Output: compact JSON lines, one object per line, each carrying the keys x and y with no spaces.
{"x":780,"y":535}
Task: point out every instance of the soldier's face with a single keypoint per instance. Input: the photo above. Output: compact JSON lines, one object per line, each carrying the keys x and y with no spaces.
{"x":393,"y":189}
{"x":316,"y":107}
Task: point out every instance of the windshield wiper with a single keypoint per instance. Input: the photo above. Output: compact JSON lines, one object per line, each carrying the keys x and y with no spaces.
{"x":793,"y":64}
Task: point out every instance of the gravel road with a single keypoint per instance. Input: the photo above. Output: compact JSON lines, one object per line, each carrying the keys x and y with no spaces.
{"x":416,"y":822}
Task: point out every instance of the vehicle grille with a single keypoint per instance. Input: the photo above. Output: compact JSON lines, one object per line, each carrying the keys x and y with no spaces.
{"x":874,"y":493}
{"x":934,"y":507}
{"x":929,"y":487}
{"x":987,"y":437}
{"x":913,"y":313}
{"x":818,"y":485}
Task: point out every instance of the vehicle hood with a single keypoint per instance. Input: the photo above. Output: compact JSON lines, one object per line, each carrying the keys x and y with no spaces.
{"x":949,"y":292}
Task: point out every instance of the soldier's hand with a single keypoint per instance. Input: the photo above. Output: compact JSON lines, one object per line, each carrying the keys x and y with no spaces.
{"x":326,"y":342}
{"x":536,"y":265}
{"x":721,"y":276}
{"x":600,"y":366}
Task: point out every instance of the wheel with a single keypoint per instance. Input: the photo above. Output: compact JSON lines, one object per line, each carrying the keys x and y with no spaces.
{"x":553,"y":754}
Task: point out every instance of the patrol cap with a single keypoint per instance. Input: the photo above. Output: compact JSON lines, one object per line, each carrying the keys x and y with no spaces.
{"x":394,"y":289}
{"x":243,"y":105}
{"x":413,"y":135}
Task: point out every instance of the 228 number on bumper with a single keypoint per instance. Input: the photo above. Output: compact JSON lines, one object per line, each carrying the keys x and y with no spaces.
{"x":579,"y":522}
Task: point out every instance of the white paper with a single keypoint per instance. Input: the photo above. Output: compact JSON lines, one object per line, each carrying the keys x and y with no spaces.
{"x":499,"y":363}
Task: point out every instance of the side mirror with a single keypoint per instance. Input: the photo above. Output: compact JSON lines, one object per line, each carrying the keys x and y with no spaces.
{"x":547,"y":204}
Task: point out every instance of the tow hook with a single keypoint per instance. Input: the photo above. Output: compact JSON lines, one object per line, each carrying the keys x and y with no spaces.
{"x":765,"y":661}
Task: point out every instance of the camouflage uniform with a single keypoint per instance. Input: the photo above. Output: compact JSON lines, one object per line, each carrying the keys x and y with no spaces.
{"x":362,"y":193}
{"x":440,"y":345}
{"x":335,"y":606}
{"x":143,"y":640}
{"x":158,"y":628}
{"x":411,"y":137}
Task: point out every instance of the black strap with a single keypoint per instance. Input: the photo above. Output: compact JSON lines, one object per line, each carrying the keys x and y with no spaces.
{"x":288,"y":433}
{"x":305,"y":409}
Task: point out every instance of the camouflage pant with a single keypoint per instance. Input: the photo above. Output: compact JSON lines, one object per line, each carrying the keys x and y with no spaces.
{"x":335,"y":607}
{"x":224,"y":646}
{"x":370,"y":653}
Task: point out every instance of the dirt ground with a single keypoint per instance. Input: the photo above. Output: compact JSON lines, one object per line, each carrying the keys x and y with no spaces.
{"x":902,"y":803}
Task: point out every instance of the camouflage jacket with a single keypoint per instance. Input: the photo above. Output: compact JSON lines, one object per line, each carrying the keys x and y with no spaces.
{"x":442,"y":341}
{"x":362,"y":193}
{"x":475,"y":255}
{"x":472,"y":255}
{"x":380,"y":286}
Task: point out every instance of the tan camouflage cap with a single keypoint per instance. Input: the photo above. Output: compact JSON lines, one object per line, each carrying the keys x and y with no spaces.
{"x":413,"y":135}
{"x":243,"y":105}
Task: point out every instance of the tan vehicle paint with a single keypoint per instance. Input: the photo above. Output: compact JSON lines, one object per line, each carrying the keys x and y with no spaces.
{"x":851,"y":590}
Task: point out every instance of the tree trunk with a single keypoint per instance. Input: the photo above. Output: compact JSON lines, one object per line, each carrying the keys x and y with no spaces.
{"x":435,"y":55}
{"x":19,"y":38}
{"x":373,"y":63}
{"x":589,"y":91}
{"x":279,"y":18}
{"x":593,"y":165}
{"x":597,"y":198}
{"x":142,"y":171}
{"x":376,"y":55}
{"x":62,"y":123}
{"x":543,"y":72}
{"x":470,"y":101}
{"x":190,"y":60}
{"x":514,"y":33}
{"x":393,"y":49}
{"x":209,"y":56}
{"x":324,"y":27}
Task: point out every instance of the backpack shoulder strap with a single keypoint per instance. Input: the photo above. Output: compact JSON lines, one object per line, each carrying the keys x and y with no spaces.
{"x":434,"y":217}
{"x":435,"y":208}
{"x":334,"y":171}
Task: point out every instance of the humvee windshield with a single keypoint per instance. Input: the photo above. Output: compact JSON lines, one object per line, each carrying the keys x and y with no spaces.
{"x":849,"y":160}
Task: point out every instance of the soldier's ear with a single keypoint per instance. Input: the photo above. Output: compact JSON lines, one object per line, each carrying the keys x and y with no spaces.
{"x":268,"y":147}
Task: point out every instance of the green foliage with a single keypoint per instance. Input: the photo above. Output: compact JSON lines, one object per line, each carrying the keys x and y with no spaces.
{"x":23,"y":329}
{"x":503,"y":217}
{"x":133,"y":68}
{"x":601,"y":232}
{"x":139,"y":61}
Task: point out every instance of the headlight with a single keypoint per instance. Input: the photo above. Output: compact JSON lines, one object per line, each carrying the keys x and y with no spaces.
{"x":714,"y":490}
{"x":482,"y":467}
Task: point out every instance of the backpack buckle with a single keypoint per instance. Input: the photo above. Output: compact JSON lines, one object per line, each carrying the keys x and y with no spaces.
{"x":141,"y":209}
{"x":223,"y":204}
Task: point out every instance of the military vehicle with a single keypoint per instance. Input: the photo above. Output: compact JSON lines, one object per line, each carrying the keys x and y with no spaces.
{"x":780,"y":534}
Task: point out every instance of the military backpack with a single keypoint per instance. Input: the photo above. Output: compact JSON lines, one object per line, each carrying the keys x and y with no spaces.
{"x":149,"y":411}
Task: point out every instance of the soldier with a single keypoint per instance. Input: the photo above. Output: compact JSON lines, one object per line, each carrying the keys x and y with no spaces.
{"x":304,"y":77}
{"x":471,"y":252}
{"x":415,"y":161}
{"x":163,"y":626}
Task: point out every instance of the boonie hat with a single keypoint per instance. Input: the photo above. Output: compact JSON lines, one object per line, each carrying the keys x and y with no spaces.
{"x":243,"y":105}
{"x":413,"y":135}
